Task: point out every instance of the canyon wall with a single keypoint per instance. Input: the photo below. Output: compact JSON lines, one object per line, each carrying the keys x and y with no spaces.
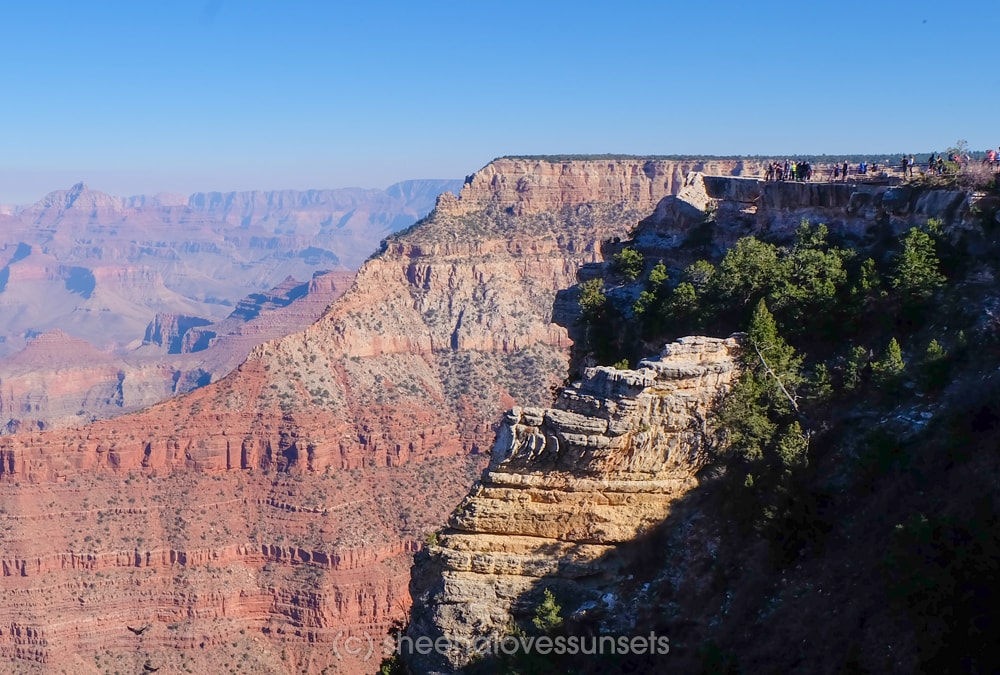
{"x":270,"y":515}
{"x":718,"y":210}
{"x":347,"y":441}
{"x":533,"y":185}
{"x":99,"y":266}
{"x":846,"y":208}
{"x":565,"y":487}
{"x":573,"y":493}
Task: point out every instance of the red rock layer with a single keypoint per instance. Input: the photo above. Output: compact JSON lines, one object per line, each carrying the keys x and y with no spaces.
{"x":392,"y":390}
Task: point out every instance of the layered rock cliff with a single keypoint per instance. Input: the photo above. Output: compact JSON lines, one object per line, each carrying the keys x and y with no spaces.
{"x":534,"y":185}
{"x":566,"y":486}
{"x":347,"y":441}
{"x":101,"y":269}
{"x":572,"y":491}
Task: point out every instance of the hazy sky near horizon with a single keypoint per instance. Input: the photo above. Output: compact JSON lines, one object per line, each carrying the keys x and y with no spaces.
{"x":197,"y":95}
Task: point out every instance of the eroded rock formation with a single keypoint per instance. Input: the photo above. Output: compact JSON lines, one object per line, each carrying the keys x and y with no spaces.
{"x":565,"y":487}
{"x":350,"y":439}
{"x":535,"y":185}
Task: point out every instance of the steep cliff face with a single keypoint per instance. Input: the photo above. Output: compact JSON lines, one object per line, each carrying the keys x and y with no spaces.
{"x":571,"y":491}
{"x":565,"y":487}
{"x":720,"y":209}
{"x":846,"y":208}
{"x":139,"y":277}
{"x":168,"y":330}
{"x":350,"y":440}
{"x":527,"y":185}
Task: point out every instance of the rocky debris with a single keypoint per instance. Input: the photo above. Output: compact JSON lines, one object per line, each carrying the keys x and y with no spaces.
{"x":565,"y":487}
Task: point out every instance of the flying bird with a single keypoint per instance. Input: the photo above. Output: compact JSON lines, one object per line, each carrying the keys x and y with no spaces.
{"x":140,"y":630}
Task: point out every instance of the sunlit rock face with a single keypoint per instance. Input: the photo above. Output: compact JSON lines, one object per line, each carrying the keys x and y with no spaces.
{"x":565,"y":487}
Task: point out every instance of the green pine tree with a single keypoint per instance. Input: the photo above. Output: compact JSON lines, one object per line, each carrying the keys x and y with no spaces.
{"x":593,"y":301}
{"x":792,"y":447}
{"x":857,"y":361}
{"x":869,"y":280}
{"x":889,"y":368}
{"x":650,"y":299}
{"x":628,"y":264}
{"x":764,"y":395}
{"x":749,"y":270}
{"x":934,"y":366}
{"x":683,"y":301}
{"x":547,"y":617}
{"x":699,"y":274}
{"x":768,"y":351}
{"x":916,"y":273}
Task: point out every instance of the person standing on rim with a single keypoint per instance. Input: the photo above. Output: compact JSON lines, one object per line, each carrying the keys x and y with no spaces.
{"x":844,"y":170}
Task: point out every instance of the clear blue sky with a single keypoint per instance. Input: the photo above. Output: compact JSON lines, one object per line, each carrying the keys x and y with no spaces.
{"x":143,"y":96}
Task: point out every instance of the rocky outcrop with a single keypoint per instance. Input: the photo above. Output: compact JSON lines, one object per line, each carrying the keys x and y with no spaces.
{"x":168,"y":330}
{"x":572,"y":491}
{"x":353,"y":437}
{"x":846,"y":208}
{"x":52,"y":378}
{"x":566,"y":486}
{"x":534,"y":185}
{"x":448,"y":326}
{"x":715,"y":211}
{"x":360,"y":433}
{"x":392,"y":396}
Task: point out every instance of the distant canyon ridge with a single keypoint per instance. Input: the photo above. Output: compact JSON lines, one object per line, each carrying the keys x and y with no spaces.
{"x":109,"y":304}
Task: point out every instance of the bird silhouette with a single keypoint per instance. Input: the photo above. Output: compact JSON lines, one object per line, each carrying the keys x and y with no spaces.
{"x":140,"y":630}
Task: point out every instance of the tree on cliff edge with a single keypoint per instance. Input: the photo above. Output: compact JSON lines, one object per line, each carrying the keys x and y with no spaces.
{"x":916,"y":272}
{"x":763,"y":441}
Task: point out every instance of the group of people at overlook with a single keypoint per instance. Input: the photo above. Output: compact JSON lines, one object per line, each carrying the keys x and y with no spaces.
{"x":936,"y":164}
